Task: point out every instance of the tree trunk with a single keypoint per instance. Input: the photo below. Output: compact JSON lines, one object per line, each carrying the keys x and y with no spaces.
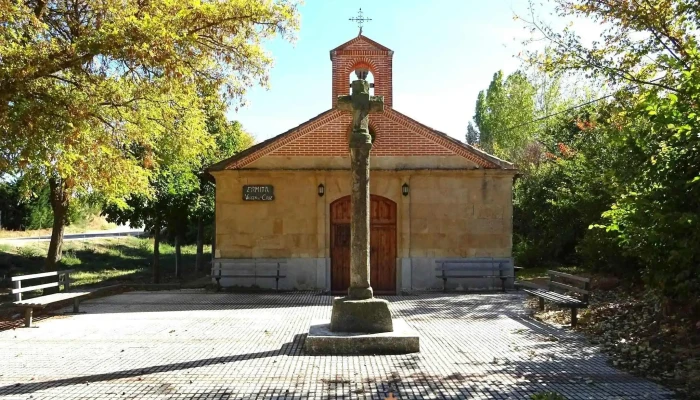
{"x":59,"y":204}
{"x":178,"y":256}
{"x":199,"y":260}
{"x":156,"y":251}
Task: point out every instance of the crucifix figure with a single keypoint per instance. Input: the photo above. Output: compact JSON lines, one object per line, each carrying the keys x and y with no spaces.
{"x":360,"y":20}
{"x":360,"y":311}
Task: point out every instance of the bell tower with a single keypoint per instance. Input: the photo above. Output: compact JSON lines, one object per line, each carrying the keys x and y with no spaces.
{"x":363,"y":55}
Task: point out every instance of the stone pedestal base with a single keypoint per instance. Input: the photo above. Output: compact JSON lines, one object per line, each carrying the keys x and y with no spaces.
{"x":367,"y":316}
{"x":322,"y":341}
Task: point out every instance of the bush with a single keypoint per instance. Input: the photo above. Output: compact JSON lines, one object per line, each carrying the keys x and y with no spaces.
{"x":13,"y":210}
{"x":600,"y":251}
{"x":20,"y":213}
{"x":553,"y":208}
{"x":29,"y":251}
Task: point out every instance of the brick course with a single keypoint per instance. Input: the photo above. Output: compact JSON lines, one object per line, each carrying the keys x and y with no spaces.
{"x":362,"y":52}
{"x":396,"y":135}
{"x":391,"y":139}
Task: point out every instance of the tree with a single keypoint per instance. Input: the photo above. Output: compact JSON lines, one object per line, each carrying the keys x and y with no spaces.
{"x":642,"y":42}
{"x":649,"y":52}
{"x":472,"y":134}
{"x":230,"y":138}
{"x":96,"y":96}
{"x":180,"y":196}
{"x":503,"y":115}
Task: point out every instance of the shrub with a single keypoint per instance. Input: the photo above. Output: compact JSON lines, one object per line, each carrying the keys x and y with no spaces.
{"x":69,"y":259}
{"x":28,"y":251}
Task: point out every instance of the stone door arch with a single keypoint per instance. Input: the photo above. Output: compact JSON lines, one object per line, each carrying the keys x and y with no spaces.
{"x":382,"y":244}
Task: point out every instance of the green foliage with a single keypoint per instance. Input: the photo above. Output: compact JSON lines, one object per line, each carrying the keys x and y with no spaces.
{"x":641,"y":42}
{"x":555,"y":204}
{"x":100,"y":96}
{"x":97,"y":261}
{"x":657,"y":216}
{"x":28,"y":251}
{"x":21,"y":212}
{"x":500,"y":113}
{"x":11,"y":206}
{"x":472,"y":134}
{"x":180,"y":196}
{"x":40,"y":213}
{"x":70,"y":259}
{"x":637,"y":183}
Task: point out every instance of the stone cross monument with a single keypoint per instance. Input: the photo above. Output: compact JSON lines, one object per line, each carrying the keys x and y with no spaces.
{"x":360,"y":311}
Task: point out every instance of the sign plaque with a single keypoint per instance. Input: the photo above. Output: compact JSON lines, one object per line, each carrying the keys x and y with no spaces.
{"x":258,"y":193}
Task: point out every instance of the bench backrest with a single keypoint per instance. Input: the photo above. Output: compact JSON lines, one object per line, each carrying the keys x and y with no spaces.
{"x":496,"y":265}
{"x":561,"y":281}
{"x":62,"y":279}
{"x":220,"y":265}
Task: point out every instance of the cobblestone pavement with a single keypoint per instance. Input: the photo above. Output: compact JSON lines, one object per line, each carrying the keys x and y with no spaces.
{"x":197,"y":345}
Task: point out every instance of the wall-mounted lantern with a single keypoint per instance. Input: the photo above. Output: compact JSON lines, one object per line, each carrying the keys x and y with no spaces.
{"x":404,"y":189}
{"x":321,"y":190}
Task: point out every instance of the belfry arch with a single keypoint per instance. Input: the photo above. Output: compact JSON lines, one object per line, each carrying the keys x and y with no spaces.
{"x":362,"y":52}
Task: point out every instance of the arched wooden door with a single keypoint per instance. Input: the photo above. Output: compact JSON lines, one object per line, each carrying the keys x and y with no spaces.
{"x":382,"y":253}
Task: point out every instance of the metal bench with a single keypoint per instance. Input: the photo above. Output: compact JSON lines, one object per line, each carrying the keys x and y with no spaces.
{"x":562,"y":282}
{"x":474,"y":268}
{"x":62,"y":279}
{"x":235,"y":268}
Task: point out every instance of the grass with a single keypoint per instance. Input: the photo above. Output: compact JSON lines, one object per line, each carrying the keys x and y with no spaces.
{"x":94,"y":223}
{"x":100,"y":261}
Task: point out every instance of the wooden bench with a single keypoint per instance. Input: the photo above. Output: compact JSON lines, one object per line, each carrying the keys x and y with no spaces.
{"x":473,"y":268}
{"x":233,"y":268}
{"x":561,"y":282}
{"x":62,"y":279}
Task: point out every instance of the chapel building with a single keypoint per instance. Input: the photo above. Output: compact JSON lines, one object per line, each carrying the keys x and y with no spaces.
{"x":433,"y":197}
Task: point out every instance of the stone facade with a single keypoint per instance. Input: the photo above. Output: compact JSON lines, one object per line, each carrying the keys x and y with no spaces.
{"x":448,"y":213}
{"x":459,"y":203}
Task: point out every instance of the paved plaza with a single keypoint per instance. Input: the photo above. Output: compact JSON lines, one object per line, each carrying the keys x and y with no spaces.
{"x":199,"y":345}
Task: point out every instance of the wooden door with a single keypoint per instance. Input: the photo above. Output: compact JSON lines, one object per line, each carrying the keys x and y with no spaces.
{"x":383,"y":258}
{"x":382,"y":245}
{"x":340,"y":257}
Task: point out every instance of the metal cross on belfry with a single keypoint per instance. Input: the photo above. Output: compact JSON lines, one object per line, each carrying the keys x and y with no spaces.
{"x":360,"y":20}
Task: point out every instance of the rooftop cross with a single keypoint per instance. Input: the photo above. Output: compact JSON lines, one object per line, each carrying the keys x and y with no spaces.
{"x":360,"y":20}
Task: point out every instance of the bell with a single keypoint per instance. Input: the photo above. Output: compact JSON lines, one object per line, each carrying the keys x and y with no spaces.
{"x":361,"y":73}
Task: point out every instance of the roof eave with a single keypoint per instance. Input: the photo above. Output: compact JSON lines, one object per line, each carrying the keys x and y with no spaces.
{"x":223,"y":165}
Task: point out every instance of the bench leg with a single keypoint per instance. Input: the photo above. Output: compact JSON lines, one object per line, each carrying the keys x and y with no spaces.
{"x":503,"y":285}
{"x":444,"y":285}
{"x":28,"y":313}
{"x":574,"y":318}
{"x":541,"y":304}
{"x":76,"y":305}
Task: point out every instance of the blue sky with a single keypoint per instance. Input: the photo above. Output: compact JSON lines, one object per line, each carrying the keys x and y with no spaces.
{"x":446,"y":51}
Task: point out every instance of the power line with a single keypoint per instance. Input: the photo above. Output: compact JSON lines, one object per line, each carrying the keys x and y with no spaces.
{"x":560,"y":112}
{"x":573,"y":108}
